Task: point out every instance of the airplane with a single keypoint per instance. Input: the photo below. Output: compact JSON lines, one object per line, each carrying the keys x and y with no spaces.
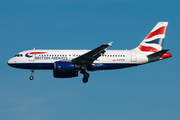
{"x":68,"y":63}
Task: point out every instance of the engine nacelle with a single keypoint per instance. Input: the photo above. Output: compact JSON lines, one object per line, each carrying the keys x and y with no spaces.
{"x":64,"y":69}
{"x":64,"y":66}
{"x":67,"y":74}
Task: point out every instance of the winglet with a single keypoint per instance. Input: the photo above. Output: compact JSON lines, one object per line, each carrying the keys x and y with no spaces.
{"x":110,"y":44}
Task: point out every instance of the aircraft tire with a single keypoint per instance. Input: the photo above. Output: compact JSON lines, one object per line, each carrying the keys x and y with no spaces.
{"x":85,"y":80}
{"x":31,"y":77}
{"x":86,"y":75}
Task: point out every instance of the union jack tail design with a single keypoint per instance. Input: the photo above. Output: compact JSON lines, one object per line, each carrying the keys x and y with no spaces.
{"x":154,"y":40}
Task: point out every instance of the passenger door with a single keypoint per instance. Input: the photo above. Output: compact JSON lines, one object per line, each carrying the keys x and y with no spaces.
{"x":32,"y":54}
{"x":133,"y":56}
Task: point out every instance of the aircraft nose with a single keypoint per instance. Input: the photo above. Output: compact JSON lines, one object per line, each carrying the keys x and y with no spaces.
{"x":10,"y":61}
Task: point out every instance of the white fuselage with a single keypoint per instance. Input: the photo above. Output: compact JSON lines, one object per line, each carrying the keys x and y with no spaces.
{"x":44,"y":59}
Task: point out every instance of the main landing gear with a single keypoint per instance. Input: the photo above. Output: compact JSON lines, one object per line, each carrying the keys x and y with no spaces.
{"x":86,"y":76}
{"x":85,"y":73}
{"x":31,"y":77}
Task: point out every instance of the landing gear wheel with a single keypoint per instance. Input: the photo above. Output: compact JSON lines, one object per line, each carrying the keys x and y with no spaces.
{"x":84,"y":72}
{"x":85,"y":80}
{"x":86,"y":76}
{"x":31,"y":77}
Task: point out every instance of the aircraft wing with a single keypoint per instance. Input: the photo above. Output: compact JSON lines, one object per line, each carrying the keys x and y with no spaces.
{"x":91,"y":56}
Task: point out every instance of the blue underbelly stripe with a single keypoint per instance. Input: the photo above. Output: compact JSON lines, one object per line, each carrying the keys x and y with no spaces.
{"x":97,"y":66}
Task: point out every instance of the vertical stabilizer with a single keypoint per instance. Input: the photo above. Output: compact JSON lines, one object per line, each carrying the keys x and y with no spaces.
{"x":154,"y":40}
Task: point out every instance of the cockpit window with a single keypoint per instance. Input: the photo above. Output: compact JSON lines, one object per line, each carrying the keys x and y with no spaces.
{"x":18,"y":55}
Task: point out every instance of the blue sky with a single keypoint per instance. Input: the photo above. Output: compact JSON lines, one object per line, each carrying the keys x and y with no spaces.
{"x":145,"y":92}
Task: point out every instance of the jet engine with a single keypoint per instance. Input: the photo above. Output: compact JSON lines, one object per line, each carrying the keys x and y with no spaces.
{"x":64,"y":69}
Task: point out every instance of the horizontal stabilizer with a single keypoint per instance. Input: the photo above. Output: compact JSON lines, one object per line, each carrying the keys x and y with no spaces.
{"x":156,"y":56}
{"x":159,"y":53}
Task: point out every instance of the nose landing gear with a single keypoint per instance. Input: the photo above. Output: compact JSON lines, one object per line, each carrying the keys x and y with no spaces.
{"x":31,"y":77}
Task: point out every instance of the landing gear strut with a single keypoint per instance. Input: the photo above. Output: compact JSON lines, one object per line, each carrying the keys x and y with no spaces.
{"x":86,"y":76}
{"x":31,"y":77}
{"x":85,"y":73}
